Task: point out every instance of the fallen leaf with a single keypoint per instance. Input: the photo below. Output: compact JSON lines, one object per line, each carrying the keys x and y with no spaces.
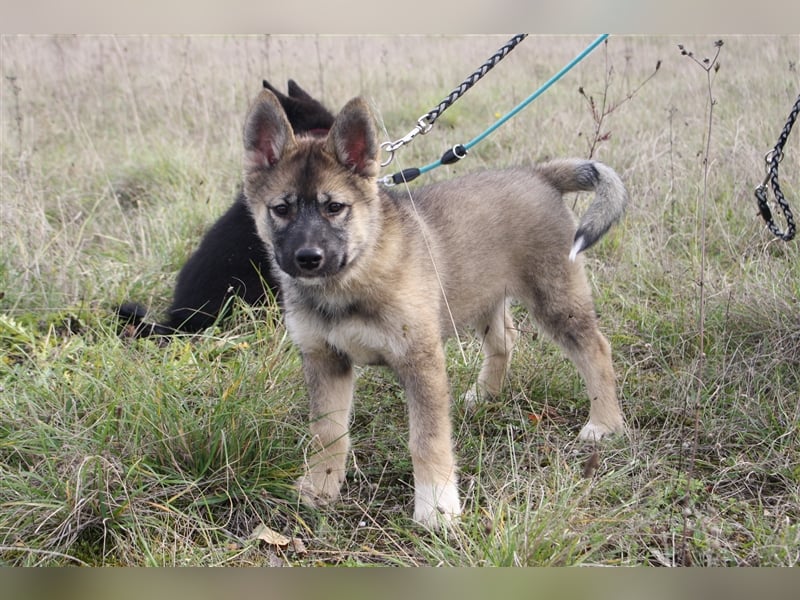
{"x":265,"y":534}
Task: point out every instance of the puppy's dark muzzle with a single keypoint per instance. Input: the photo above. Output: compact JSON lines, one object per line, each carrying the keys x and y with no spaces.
{"x":309,"y":260}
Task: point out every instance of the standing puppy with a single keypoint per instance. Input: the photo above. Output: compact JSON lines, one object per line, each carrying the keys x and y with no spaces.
{"x":369,"y":278}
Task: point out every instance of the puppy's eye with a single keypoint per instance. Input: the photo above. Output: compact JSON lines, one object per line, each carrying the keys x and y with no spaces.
{"x":280,"y":210}
{"x":334,"y":208}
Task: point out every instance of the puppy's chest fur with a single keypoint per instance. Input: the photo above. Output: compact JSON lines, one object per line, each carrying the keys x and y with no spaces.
{"x":368,"y":333}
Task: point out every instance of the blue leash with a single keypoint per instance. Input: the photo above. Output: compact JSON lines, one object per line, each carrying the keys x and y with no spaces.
{"x":459,"y":151}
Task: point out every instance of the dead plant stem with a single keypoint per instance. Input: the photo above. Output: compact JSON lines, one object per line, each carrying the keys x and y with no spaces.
{"x":708,"y":66}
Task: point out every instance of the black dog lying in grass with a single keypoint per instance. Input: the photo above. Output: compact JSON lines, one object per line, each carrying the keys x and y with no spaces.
{"x":231,"y":260}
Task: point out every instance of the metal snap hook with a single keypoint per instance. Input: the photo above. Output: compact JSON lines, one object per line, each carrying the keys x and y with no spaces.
{"x":389,"y":148}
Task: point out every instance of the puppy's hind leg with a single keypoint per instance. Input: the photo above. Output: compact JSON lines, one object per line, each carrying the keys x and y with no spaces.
{"x":330,"y":380}
{"x":498,"y":336}
{"x":566,"y":313}
{"x":593,"y":361}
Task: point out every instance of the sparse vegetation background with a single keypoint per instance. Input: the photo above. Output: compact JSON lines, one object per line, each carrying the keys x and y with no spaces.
{"x":118,"y":153}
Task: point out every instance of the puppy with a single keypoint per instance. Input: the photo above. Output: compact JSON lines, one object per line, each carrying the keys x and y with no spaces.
{"x":376,"y":277}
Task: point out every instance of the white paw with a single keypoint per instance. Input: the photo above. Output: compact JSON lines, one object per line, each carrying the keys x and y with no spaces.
{"x":436,"y":506}
{"x":477,"y":394}
{"x":594,"y":432}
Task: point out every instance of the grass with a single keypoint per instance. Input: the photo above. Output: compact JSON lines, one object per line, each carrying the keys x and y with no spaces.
{"x":119,"y":152}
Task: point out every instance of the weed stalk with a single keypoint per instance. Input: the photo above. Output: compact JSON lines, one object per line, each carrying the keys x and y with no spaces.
{"x":604,"y":107}
{"x":711,"y":67}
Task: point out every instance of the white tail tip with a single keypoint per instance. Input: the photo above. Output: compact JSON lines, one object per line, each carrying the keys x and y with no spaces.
{"x":576,"y":247}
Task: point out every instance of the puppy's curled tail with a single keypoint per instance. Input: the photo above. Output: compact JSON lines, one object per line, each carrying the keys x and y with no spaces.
{"x":611,"y":197}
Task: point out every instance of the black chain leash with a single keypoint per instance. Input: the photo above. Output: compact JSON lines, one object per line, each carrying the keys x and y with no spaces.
{"x":473,"y":79}
{"x":425,"y":122}
{"x":773,"y":159}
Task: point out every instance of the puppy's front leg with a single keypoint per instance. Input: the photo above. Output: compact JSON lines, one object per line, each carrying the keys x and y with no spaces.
{"x":424,"y":378}
{"x":329,"y":379}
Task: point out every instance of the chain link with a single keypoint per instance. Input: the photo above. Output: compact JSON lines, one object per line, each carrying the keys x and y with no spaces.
{"x":772,"y":160}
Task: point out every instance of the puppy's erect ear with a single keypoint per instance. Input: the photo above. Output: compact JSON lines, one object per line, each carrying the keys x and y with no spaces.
{"x":295,"y":91}
{"x":267,"y":132}
{"x":278,"y":94}
{"x":354,"y":140}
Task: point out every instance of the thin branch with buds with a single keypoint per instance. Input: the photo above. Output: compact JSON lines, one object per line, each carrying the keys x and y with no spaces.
{"x":711,"y":67}
{"x":605,"y":108}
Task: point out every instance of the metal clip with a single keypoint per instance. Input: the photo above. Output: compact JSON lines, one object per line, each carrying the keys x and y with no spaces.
{"x":764,"y":183}
{"x":390,"y":148}
{"x":422,"y":127}
{"x":770,"y":155}
{"x":768,"y":168}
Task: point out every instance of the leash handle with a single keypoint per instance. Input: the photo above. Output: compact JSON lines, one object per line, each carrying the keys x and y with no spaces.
{"x":772,"y":159}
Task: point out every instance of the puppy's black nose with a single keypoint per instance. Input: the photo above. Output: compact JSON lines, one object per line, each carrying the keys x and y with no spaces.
{"x":308,"y":259}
